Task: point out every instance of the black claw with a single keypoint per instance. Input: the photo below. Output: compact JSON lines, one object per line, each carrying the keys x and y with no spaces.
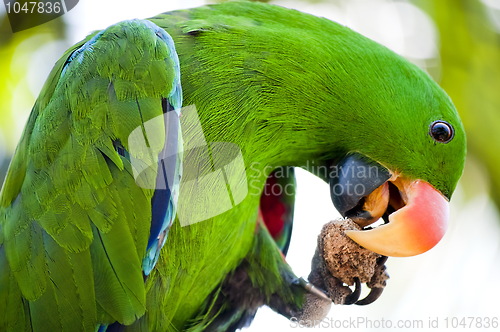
{"x":354,"y":296}
{"x":372,"y":297}
{"x":381,"y":260}
{"x":375,"y":291}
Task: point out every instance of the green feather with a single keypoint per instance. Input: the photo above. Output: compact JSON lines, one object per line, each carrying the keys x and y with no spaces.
{"x":289,"y":89}
{"x":74,"y":223}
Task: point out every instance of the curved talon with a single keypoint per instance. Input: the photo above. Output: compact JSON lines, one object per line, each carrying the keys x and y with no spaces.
{"x":372,"y":297}
{"x":382,"y":260}
{"x":354,"y":296}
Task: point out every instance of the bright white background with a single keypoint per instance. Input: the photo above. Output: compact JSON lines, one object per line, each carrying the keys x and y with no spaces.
{"x":458,"y":278}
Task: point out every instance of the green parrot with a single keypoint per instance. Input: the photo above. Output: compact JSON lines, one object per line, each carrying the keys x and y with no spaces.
{"x":108,"y":221}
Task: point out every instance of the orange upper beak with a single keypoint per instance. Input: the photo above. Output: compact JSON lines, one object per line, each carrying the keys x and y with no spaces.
{"x":414,"y":228}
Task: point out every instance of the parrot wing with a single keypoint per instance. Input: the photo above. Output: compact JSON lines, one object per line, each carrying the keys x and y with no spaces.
{"x":92,"y":188}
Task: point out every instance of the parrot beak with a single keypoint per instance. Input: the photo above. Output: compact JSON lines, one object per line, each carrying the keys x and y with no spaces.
{"x":416,"y":213}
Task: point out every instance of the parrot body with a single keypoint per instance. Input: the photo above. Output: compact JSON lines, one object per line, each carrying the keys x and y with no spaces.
{"x":85,"y":247}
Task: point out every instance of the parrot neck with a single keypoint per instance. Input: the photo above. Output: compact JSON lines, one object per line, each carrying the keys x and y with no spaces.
{"x":264,"y":139}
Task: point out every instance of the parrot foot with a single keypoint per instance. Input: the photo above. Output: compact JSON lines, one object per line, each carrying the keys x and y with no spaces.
{"x":312,"y":289}
{"x":354,"y":296}
{"x":339,"y":263}
{"x":377,"y":282}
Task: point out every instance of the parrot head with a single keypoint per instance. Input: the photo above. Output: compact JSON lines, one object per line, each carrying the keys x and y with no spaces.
{"x":402,"y":158}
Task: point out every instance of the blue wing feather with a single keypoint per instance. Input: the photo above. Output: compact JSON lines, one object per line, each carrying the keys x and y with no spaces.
{"x":164,"y":199}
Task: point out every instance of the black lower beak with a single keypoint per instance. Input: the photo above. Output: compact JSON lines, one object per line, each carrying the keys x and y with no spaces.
{"x":351,"y":181}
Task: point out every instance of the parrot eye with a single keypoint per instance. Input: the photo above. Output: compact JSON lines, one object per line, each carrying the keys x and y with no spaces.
{"x":441,"y":131}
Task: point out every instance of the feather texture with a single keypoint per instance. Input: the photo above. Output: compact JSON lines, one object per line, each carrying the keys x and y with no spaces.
{"x":75,"y":224}
{"x":287,"y":88}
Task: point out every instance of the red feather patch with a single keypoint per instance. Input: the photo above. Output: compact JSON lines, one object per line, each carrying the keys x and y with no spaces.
{"x":272,"y":208}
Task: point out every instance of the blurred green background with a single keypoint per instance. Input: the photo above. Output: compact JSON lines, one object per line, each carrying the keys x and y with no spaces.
{"x":456,"y":41}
